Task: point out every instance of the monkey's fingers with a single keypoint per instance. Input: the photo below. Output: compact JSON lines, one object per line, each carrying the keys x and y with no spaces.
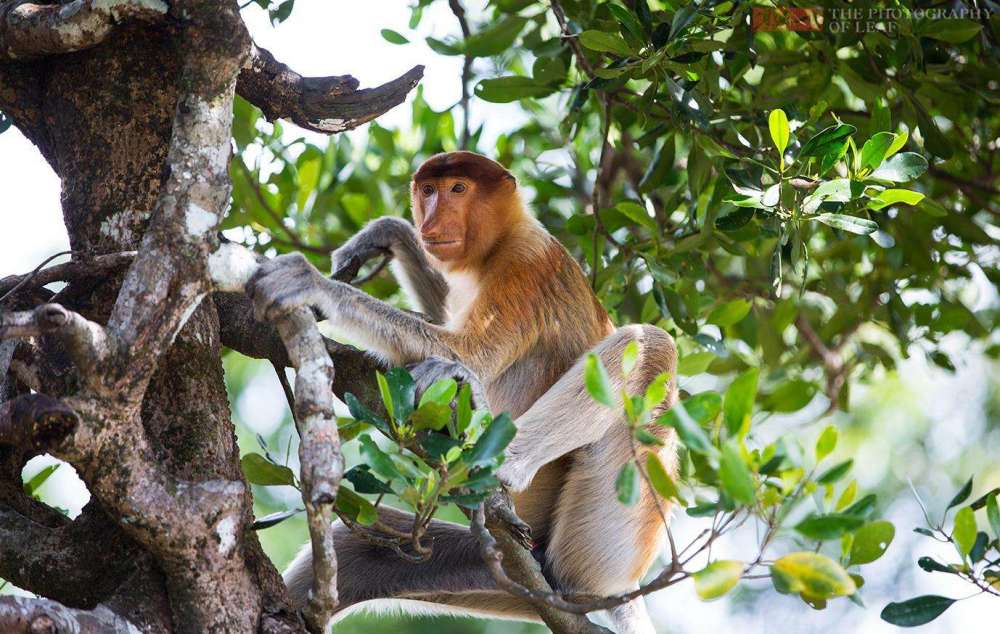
{"x":347,"y":269}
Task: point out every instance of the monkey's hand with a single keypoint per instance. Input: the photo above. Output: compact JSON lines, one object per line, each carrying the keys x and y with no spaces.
{"x":379,"y":237}
{"x":433,"y":368}
{"x":285,"y":283}
{"x":500,"y":514}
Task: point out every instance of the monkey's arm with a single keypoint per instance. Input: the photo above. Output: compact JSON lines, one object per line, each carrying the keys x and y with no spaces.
{"x":425,"y":287}
{"x":290,"y":281}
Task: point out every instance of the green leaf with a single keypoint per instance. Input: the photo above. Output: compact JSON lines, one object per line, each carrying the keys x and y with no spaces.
{"x":493,"y":441}
{"x":605,"y":42}
{"x":363,"y":481}
{"x":37,"y":480}
{"x":930,"y":565}
{"x":737,"y":481}
{"x":951,"y":30}
{"x":852,"y":224}
{"x":828,"y":145}
{"x":894,"y":196}
{"x":964,"y":532}
{"x":511,"y":88}
{"x":897,"y":144}
{"x":495,"y":39}
{"x":443,"y":48}
{"x":813,"y":574}
{"x":829,"y":526}
{"x":729,"y":313}
{"x":993,"y":514}
{"x":874,"y":151}
{"x":629,"y":356}
{"x":595,"y":378}
{"x":777,"y":124}
{"x":378,"y":459}
{"x":393,"y":37}
{"x":402,"y":391}
{"x":916,"y":611}
{"x":431,"y":415}
{"x":826,"y":442}
{"x":689,"y":431}
{"x":274,"y":519}
{"x":978,"y":550}
{"x":257,"y":470}
{"x":637,"y":213}
{"x":901,"y":168}
{"x":962,"y":495}
{"x":871,"y":541}
{"x":738,"y":405}
{"x":790,"y":396}
{"x":627,"y":484}
{"x":441,"y":391}
{"x":656,"y":392}
{"x":661,"y":480}
{"x":463,"y":410}
{"x":383,"y":388}
{"x":355,"y":507}
{"x":836,"y":472}
{"x":717,"y":578}
{"x":365,"y":415}
{"x":695,"y":363}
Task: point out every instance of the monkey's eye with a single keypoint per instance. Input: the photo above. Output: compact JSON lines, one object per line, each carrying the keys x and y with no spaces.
{"x":458,"y":188}
{"x":427,"y":190}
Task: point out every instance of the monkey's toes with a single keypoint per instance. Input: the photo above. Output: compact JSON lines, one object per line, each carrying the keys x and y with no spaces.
{"x":500,"y":513}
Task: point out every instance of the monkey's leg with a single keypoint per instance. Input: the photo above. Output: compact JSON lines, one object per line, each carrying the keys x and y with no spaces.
{"x":566,"y":418}
{"x":596,"y":545}
{"x":425,"y":287}
{"x":455,"y":579}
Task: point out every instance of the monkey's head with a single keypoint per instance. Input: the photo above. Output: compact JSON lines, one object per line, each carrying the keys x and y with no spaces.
{"x":463,"y":203}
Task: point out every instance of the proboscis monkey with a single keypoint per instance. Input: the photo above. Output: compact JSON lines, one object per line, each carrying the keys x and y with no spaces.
{"x":505,"y":300}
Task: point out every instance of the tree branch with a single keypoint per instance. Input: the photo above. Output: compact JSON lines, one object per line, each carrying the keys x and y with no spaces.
{"x":321,"y":104}
{"x":463,"y":23}
{"x":322,"y":464}
{"x":83,"y":268}
{"x":31,"y":31}
{"x":19,"y":615}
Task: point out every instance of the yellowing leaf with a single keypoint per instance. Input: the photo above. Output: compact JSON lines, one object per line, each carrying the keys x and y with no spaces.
{"x":777,"y":123}
{"x":717,"y":578}
{"x":813,"y":574}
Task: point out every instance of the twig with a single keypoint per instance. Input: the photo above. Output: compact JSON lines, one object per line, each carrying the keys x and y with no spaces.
{"x":459,"y":11}
{"x":574,"y":42}
{"x":26,"y":279}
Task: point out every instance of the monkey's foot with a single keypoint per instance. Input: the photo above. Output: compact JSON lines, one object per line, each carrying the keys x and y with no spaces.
{"x":500,"y":514}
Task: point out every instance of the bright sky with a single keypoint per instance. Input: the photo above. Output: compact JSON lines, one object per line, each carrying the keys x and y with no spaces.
{"x":326,"y":38}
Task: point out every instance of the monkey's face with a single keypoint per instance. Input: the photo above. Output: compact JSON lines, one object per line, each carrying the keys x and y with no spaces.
{"x":444,"y":216}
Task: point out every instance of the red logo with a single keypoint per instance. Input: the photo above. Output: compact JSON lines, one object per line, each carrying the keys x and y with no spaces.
{"x":770,"y":19}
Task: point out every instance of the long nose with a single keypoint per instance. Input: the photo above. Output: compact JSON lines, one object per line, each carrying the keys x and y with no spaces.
{"x":431,"y":226}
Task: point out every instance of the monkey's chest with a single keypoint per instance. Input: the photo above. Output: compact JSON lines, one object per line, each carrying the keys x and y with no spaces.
{"x":463,"y":288}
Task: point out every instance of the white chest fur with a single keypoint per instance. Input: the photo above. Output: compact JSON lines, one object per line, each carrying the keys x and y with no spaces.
{"x":463,"y":287}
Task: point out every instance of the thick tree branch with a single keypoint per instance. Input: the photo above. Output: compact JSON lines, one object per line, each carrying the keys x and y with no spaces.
{"x":30,"y":31}
{"x":20,"y":615}
{"x":322,"y":104}
{"x":71,"y":563}
{"x":259,"y":340}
